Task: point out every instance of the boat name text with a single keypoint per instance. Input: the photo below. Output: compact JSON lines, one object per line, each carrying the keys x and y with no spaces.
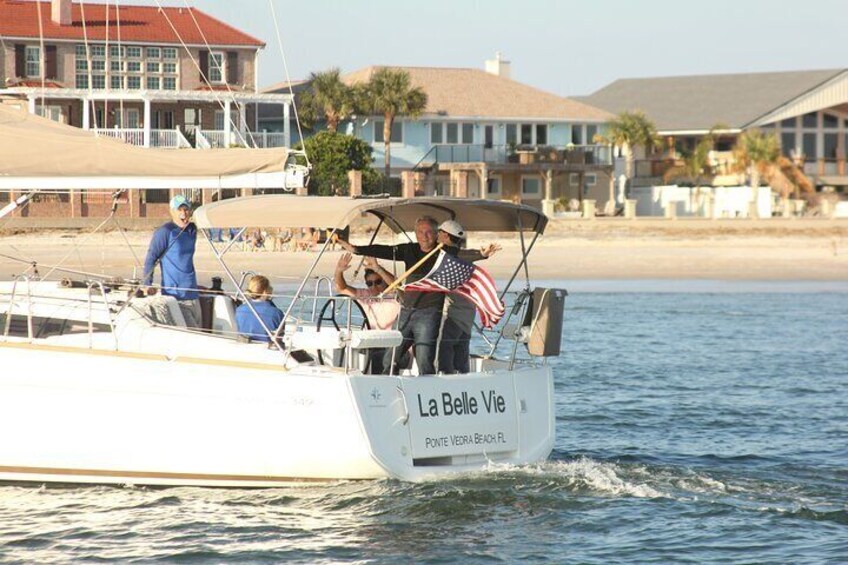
{"x":461,"y":405}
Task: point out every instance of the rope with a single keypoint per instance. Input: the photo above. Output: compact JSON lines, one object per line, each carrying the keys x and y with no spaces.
{"x":288,"y":80}
{"x":121,"y":62}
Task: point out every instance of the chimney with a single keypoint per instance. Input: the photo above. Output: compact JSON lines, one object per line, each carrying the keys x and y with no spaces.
{"x":60,"y":12}
{"x":498,"y":66}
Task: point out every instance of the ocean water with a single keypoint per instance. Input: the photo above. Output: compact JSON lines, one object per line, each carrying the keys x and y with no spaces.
{"x":696,"y":422}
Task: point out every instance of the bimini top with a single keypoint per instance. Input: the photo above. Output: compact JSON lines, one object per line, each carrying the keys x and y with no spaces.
{"x":288,"y":211}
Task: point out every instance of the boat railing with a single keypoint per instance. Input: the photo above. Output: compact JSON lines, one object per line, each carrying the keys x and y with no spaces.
{"x":91,"y":285}
{"x":9,"y":312}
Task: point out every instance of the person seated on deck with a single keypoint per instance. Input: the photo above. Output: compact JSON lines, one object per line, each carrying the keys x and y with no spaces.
{"x":381,"y":312}
{"x":259,"y":294}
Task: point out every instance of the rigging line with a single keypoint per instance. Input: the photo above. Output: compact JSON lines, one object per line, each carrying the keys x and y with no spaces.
{"x":209,"y":48}
{"x":41,"y":57}
{"x":288,"y":80}
{"x":193,"y":60}
{"x":127,"y":241}
{"x":90,"y":102}
{"x":76,"y":243}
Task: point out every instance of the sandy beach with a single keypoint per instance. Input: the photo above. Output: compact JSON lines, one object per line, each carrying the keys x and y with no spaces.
{"x":775,"y":249}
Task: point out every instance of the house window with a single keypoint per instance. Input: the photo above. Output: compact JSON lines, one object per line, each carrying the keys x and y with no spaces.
{"x":467,"y":134}
{"x":116,"y":82}
{"x":117,"y":52}
{"x":134,"y":66}
{"x":541,"y":134}
{"x":831,"y":121}
{"x":591,"y":179}
{"x":115,"y":66}
{"x":170,"y":68}
{"x":397,"y":132}
{"x":787,"y":142}
{"x":216,"y":67}
{"x":134,"y":52}
{"x":153,"y":66}
{"x":153,"y":83}
{"x":51,"y":112}
{"x":493,"y":187}
{"x":810,"y":120}
{"x":80,"y":51}
{"x":153,"y":53}
{"x":531,"y":187}
{"x":169,"y":83}
{"x":436,"y":133}
{"x":577,"y":134}
{"x":98,"y":81}
{"x":133,"y":83}
{"x":33,"y":61}
{"x":526,"y":134}
{"x":511,"y":134}
{"x":97,"y":51}
{"x":453,"y":133}
{"x":788,"y":123}
{"x":98,"y":65}
{"x":830,"y":142}
{"x":169,"y":53}
{"x":809,"y":145}
{"x":81,"y":65}
{"x":82,"y":81}
{"x":591,"y":132}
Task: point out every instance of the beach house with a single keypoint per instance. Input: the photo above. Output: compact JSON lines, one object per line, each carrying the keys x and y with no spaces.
{"x":151,"y":76}
{"x":807,"y":110}
{"x":484,"y":135}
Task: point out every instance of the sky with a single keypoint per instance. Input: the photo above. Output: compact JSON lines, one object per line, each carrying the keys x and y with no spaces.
{"x":562,"y":46}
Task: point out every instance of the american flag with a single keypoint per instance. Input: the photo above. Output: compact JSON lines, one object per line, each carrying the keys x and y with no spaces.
{"x":451,"y":274}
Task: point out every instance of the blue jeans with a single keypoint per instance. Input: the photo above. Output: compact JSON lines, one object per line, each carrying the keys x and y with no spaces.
{"x":420,"y":330}
{"x":454,"y":348}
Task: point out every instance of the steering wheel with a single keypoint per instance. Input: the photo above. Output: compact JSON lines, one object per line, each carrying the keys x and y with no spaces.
{"x":328,"y":314}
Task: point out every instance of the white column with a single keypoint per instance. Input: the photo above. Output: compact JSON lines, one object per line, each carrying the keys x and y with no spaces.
{"x":227,"y":123}
{"x":86,"y":114}
{"x":31,"y":100}
{"x":147,"y":119}
{"x":286,"y":128}
{"x":242,"y":110}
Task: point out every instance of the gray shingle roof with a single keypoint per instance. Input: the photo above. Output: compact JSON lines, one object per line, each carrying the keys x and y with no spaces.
{"x":700,"y":102}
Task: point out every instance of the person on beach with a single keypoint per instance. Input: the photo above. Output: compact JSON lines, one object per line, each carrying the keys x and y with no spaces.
{"x":381,"y":312}
{"x":259,"y":293}
{"x":172,"y":248}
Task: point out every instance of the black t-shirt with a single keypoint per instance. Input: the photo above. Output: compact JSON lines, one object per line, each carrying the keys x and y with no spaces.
{"x":410,"y":254}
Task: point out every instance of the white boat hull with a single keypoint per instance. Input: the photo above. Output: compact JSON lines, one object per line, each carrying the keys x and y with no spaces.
{"x":75,"y":415}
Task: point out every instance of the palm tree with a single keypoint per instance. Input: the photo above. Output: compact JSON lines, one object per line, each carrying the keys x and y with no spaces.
{"x":390,"y":93}
{"x":756,"y":154}
{"x":629,"y":130}
{"x":328,"y":98}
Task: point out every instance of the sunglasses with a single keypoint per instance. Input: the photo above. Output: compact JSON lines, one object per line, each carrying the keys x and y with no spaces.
{"x":374,"y":282}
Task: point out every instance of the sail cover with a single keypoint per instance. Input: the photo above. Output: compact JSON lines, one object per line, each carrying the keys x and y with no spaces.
{"x":39,"y":153}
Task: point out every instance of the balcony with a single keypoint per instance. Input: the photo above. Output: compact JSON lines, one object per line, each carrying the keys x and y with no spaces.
{"x":576,"y":155}
{"x":160,"y":138}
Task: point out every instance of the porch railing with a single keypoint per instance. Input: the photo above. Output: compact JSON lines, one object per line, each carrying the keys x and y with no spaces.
{"x":162,"y":138}
{"x":586,"y":155}
{"x":265,"y":139}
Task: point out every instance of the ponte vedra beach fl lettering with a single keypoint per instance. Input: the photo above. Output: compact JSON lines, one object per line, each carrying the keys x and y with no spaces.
{"x":462,"y":404}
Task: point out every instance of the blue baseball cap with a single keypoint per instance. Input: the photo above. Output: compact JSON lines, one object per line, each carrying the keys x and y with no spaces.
{"x":178,"y":201}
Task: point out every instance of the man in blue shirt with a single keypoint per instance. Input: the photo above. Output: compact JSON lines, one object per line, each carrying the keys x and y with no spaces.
{"x":172,"y":246}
